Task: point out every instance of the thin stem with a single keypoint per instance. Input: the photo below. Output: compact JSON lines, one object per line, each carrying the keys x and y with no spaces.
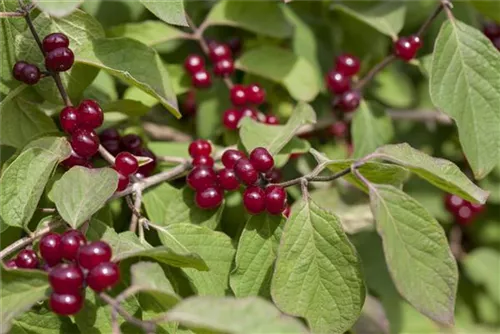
{"x":429,"y":21}
{"x":456,"y":235}
{"x":136,"y":212}
{"x":163,"y":132}
{"x":374,"y":71}
{"x":310,"y":178}
{"x":446,"y":4}
{"x":11,"y":14}
{"x":106,"y":155}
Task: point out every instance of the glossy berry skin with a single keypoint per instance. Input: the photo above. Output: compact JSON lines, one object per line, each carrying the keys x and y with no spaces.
{"x":126,"y":164}
{"x":92,"y":254}
{"x":112,"y":146}
{"x":148,"y":168}
{"x":201,"y":177}
{"x":109,"y":134}
{"x":17,"y":70}
{"x":476,"y":208}
{"x":199,"y":147}
{"x":491,"y":30}
{"x":201,"y":79}
{"x":123,"y":182}
{"x":249,"y":112}
{"x":273,"y":175}
{"x":219,"y":52}
{"x":203,"y":160}
{"x":66,"y":278}
{"x":194,"y":63}
{"x":131,"y":142}
{"x":254,"y":200}
{"x":224,"y":68}
{"x":347,"y":65}
{"x":235,"y":45}
{"x":27,"y":259}
{"x":209,"y":198}
{"x":65,"y":304}
{"x":90,"y":114}
{"x":238,"y":95}
{"x":31,"y":74}
{"x":11,"y":264}
{"x":255,"y":94}
{"x":464,"y":215}
{"x":54,"y":41}
{"x":416,"y":41}
{"x":71,"y":241}
{"x":50,"y":248}
{"x":103,"y":276}
{"x":453,"y":203}
{"x":261,"y":159}
{"x":230,"y":158}
{"x":85,"y":142}
{"x":231,"y":118}
{"x":337,"y":82}
{"x":227,"y":179}
{"x":246,"y":172}
{"x":405,"y":49}
{"x":338,"y":129}
{"x":59,"y":60}
{"x":275,"y":199}
{"x":272,"y":120}
{"x":188,"y":106}
{"x":68,"y":117}
{"x":349,"y":101}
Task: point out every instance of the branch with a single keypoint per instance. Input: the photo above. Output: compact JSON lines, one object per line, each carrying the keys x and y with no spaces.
{"x":136,"y":209}
{"x":163,"y":132}
{"x":374,"y":71}
{"x":446,"y":4}
{"x":12,"y":14}
{"x":429,"y":20}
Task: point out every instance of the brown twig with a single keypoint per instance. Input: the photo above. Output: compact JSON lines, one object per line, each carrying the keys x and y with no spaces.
{"x":163,"y":132}
{"x":374,"y":71}
{"x":456,"y":235}
{"x":429,"y":20}
{"x":136,"y":209}
{"x":12,"y":14}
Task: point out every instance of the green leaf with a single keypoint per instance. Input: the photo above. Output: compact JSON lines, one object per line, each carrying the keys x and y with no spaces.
{"x":417,"y":252}
{"x":213,"y":102}
{"x":394,"y":88}
{"x":371,"y":127}
{"x":243,"y":14}
{"x":318,"y":273}
{"x":171,"y":11}
{"x":482,"y":266}
{"x":58,"y":8}
{"x":295,"y":73}
{"x":128,"y":107}
{"x":134,"y":63}
{"x":386,"y":17}
{"x":488,"y":8}
{"x":465,"y":84}
{"x":255,"y":256}
{"x":43,"y":321}
{"x":81,"y":192}
{"x":20,"y":290}
{"x":233,"y":316}
{"x":440,"y":172}
{"x":173,"y":149}
{"x":23,"y":181}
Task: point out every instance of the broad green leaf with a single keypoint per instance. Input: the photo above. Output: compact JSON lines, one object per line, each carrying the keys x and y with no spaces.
{"x":42,"y":321}
{"x":172,"y":149}
{"x":171,"y":11}
{"x":215,"y":248}
{"x":488,"y":8}
{"x":295,"y":73}
{"x":19,"y":291}
{"x":255,"y":256}
{"x":128,"y":107}
{"x":136,"y":94}
{"x":465,"y":84}
{"x":417,"y":252}
{"x":81,"y":192}
{"x":57,"y":8}
{"x":394,"y":88}
{"x":212,"y":103}
{"x":134,"y":63}
{"x":181,"y":81}
{"x":371,"y":127}
{"x":318,"y":273}
{"x":482,"y":266}
{"x":234,"y":316}
{"x":386,"y":17}
{"x":102,"y":89}
{"x":441,"y":173}
{"x":23,"y":181}
{"x":242,"y":14}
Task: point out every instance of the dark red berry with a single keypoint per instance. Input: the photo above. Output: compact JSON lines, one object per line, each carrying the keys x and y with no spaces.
{"x":126,"y":164}
{"x":148,"y":168}
{"x":209,"y":198}
{"x":491,"y":30}
{"x":249,"y":112}
{"x":405,"y":49}
{"x":17,"y":70}
{"x":201,"y":79}
{"x":59,"y":60}
{"x":112,"y":146}
{"x":203,"y":160}
{"x":90,"y":114}
{"x":238,"y":95}
{"x":286,"y":212}
{"x":103,"y":276}
{"x":347,"y":64}
{"x":272,"y":120}
{"x":416,"y":41}
{"x":71,"y":241}
{"x":476,"y":208}
{"x":31,"y":74}
{"x":219,"y":52}
{"x":235,"y":45}
{"x":349,"y":101}
{"x":496,"y":43}
{"x":453,"y":203}
{"x":254,"y":200}
{"x":85,"y":142}
{"x":50,"y":248}
{"x":194,"y":63}
{"x":199,"y":147}
{"x":255,"y":94}
{"x":11,"y":264}
{"x":93,"y":254}
{"x":54,"y":41}
{"x":261,"y":159}
{"x":75,"y":160}
{"x":66,"y":278}
{"x":231,"y":118}
{"x":188,"y":106}
{"x":337,"y":82}
{"x":273,"y":175}
{"x":65,"y":304}
{"x":68,"y":117}
{"x":27,"y":259}
{"x":109,"y":134}
{"x":224,"y":68}
{"x":275,"y":199}
{"x":464,"y":215}
{"x":123,"y":182}
{"x":338,"y":129}
{"x":201,"y":177}
{"x":246,"y":172}
{"x":227,"y":179}
{"x":131,"y":142}
{"x":230,"y":158}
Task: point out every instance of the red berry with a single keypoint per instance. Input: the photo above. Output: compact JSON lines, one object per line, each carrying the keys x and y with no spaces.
{"x":496,"y":43}
{"x":148,"y":168}
{"x":273,"y":175}
{"x":85,"y":142}
{"x":209,"y":198}
{"x":347,"y":64}
{"x":199,"y":147}
{"x":491,"y":30}
{"x":416,"y":41}
{"x":203,"y":160}
{"x":201,"y":177}
{"x":75,"y":160}
{"x":126,"y":164}
{"x":476,"y":208}
{"x":54,"y":41}
{"x":65,"y":304}
{"x":50,"y":248}
{"x":464,"y":215}
{"x":230,"y":158}
{"x":337,"y":82}
{"x":453,"y":203}
{"x":405,"y":49}
{"x":272,"y":120}
{"x":66,"y":278}
{"x":349,"y":101}
{"x":109,"y":134}
{"x":254,"y":200}
{"x":188,"y":106}
{"x":338,"y":129}
{"x":231,"y":118}
{"x":112,"y":146}
{"x":68,"y":117}
{"x":90,"y":114}
{"x":123,"y":182}
{"x":286,"y":212}
{"x":227,"y":179}
{"x":261,"y":159}
{"x":238,"y":95}
{"x":224,"y":68}
{"x":27,"y":259}
{"x":11,"y":264}
{"x":246,"y":172}
{"x":93,"y":254}
{"x":59,"y":60}
{"x":17,"y":70}
{"x":201,"y":79}
{"x":235,"y":45}
{"x":219,"y":52}
{"x":31,"y":74}
{"x":103,"y":276}
{"x":255,"y":94}
{"x":71,"y":241}
{"x":194,"y":63}
{"x":131,"y":142}
{"x":249,"y":112}
{"x":275,"y":199}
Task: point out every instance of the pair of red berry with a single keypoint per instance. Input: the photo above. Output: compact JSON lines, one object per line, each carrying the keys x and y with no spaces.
{"x":492,"y":31}
{"x":26,"y":72}
{"x":463,"y":211}
{"x":406,"y":48}
{"x":339,"y":82}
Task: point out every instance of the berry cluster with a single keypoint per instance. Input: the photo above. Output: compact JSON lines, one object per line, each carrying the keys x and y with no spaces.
{"x":492,"y":31}
{"x":463,"y":211}
{"x":406,"y":47}
{"x":339,"y":83}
